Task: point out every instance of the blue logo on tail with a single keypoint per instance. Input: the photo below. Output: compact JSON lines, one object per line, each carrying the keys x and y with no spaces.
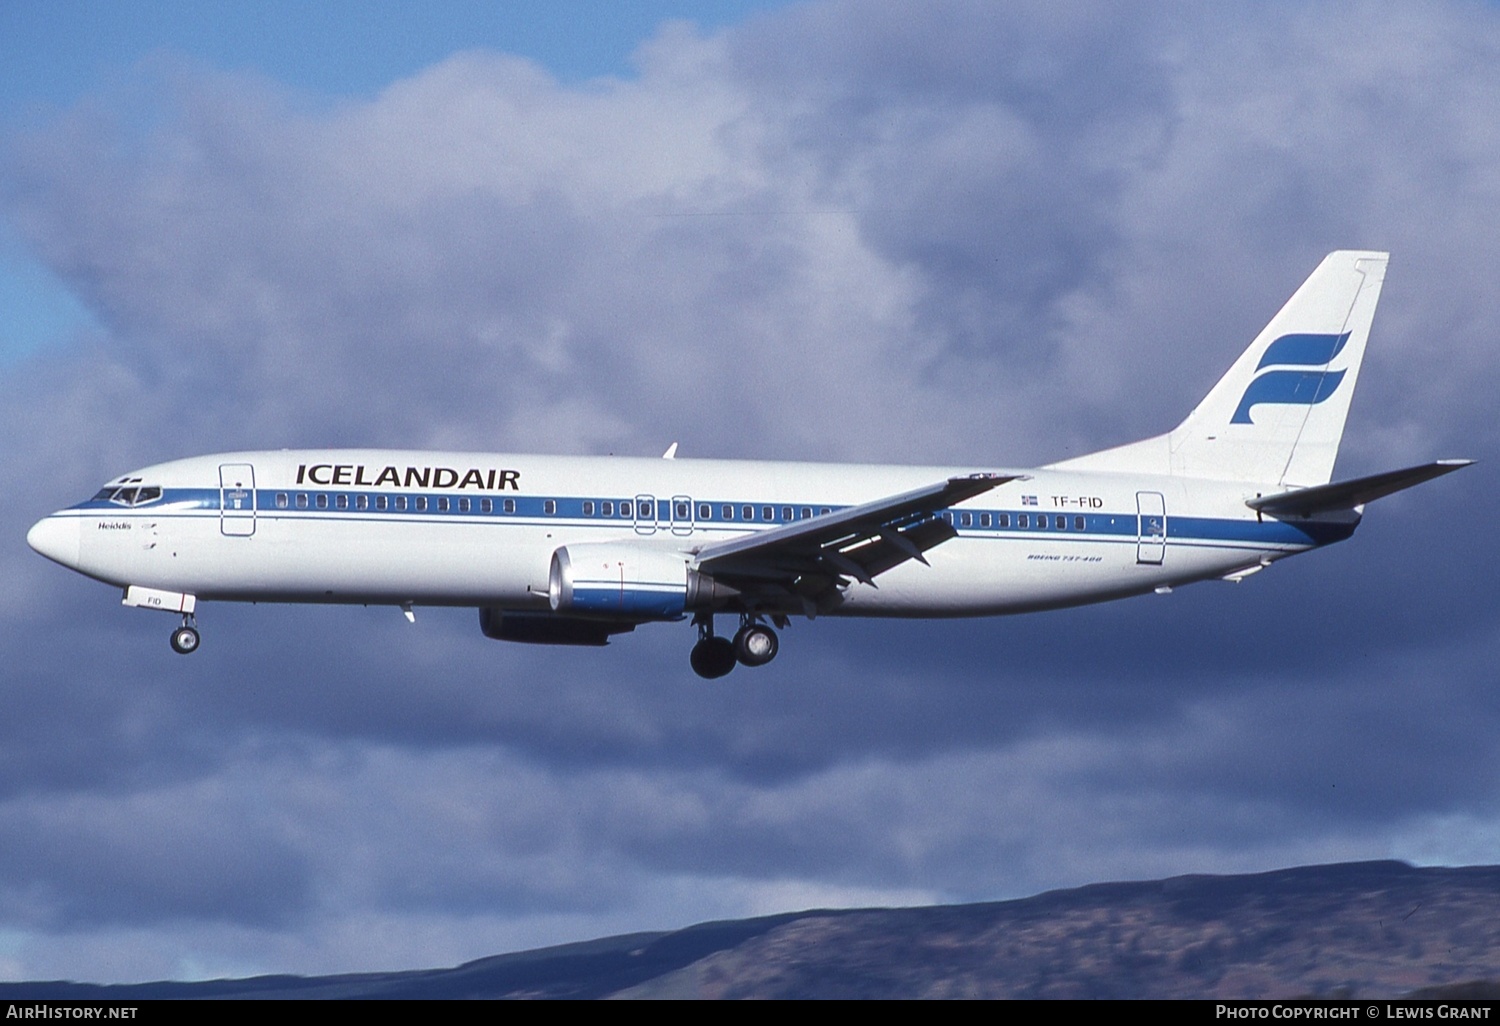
{"x":1304,"y":387}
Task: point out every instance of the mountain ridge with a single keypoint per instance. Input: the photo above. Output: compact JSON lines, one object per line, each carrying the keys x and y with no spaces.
{"x":1364,"y":929}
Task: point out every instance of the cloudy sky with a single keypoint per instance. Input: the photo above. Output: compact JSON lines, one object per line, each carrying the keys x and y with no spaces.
{"x":929,"y":232}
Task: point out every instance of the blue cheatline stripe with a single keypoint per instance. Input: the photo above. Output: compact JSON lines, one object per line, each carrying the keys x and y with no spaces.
{"x":662,"y":600}
{"x":529,"y":511}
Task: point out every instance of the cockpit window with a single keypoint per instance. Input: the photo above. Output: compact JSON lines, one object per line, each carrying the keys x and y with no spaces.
{"x":131,"y":496}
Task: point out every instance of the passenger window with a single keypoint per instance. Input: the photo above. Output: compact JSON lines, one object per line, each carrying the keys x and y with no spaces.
{"x":786,"y":513}
{"x":984,"y":520}
{"x":767,"y":513}
{"x":728,"y":513}
{"x":747,"y":512}
{"x":509,"y":506}
{"x":966,"y":519}
{"x":463,"y":505}
{"x":321,"y":501}
{"x":361,"y":502}
{"x":549,"y":506}
{"x":443,"y":504}
{"x":380,"y":502}
{"x":588,"y":507}
{"x":401,"y":504}
{"x":647,"y":511}
{"x":1060,"y":522}
{"x":1078,"y":524}
{"x":625,"y":508}
{"x":606,"y":509}
{"x":341,"y":501}
{"x":1023,"y":520}
{"x":705,"y":512}
{"x":682,"y":511}
{"x":806,"y":512}
{"x":421,"y":504}
{"x":1004,"y":519}
{"x":281,"y":500}
{"x":486,"y":505}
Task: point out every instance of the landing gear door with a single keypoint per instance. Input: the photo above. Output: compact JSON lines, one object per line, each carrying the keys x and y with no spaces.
{"x":1151,"y":527}
{"x":237,"y":499}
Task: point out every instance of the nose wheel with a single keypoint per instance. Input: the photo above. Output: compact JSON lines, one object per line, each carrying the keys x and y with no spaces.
{"x":185,"y":638}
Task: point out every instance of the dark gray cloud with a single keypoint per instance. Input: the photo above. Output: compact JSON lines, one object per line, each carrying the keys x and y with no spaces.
{"x":996,"y":234}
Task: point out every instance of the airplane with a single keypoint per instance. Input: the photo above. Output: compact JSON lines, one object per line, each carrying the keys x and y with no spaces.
{"x":573,"y":550}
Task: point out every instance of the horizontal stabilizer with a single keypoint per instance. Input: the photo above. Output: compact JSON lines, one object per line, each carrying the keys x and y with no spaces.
{"x":1344,"y":495}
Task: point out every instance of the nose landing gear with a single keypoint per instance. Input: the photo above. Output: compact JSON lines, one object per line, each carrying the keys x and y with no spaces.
{"x":185,"y":638}
{"x":713,"y":656}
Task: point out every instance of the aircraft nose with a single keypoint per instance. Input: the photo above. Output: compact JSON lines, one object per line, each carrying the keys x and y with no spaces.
{"x":56,"y":538}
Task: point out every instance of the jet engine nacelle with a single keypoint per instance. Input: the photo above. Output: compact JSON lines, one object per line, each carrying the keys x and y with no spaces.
{"x":546,"y":628}
{"x":629,"y":582}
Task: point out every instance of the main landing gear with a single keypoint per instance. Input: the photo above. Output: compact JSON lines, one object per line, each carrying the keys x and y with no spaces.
{"x":185,"y":638}
{"x":713,"y":656}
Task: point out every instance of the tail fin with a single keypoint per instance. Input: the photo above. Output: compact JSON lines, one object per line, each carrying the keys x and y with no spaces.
{"x":1278,"y":415}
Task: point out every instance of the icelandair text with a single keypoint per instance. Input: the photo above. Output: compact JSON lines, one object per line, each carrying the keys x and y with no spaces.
{"x":490,"y":480}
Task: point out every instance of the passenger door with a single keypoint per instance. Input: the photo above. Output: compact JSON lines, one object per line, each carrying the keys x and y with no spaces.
{"x":1151,"y":527}
{"x":237,"y":499}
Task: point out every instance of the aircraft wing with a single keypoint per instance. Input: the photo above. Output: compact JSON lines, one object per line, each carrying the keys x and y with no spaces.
{"x":809,"y":560}
{"x":1342,"y":495}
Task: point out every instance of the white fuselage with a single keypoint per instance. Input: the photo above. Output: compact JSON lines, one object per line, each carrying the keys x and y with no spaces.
{"x":469,"y":529}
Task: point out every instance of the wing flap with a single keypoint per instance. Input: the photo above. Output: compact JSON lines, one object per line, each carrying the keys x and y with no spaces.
{"x":859,"y":543}
{"x":880,"y":554}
